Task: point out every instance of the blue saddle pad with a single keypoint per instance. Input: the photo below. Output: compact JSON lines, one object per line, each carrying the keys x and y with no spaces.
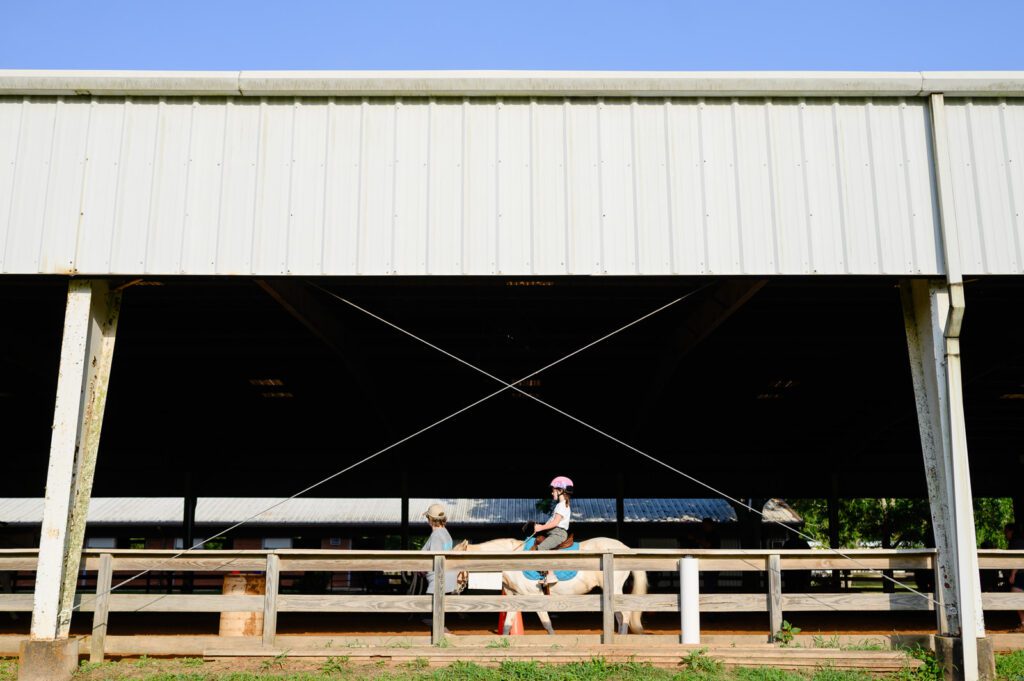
{"x":563,"y":575}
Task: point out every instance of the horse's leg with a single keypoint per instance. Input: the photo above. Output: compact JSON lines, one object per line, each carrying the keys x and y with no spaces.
{"x":622,"y":619}
{"x":546,"y":621}
{"x":507,"y":629}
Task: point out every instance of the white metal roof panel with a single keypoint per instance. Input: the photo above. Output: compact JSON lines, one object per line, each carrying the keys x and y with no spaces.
{"x":521,"y":83}
{"x":478,"y":186}
{"x":986,"y":154}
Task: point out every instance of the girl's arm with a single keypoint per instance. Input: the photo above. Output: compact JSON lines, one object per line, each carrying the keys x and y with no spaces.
{"x":555,"y":519}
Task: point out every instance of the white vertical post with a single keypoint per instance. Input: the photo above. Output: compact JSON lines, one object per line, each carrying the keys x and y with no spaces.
{"x":689,"y":599}
{"x":774,"y":596}
{"x":932,"y":324}
{"x":87,"y":348}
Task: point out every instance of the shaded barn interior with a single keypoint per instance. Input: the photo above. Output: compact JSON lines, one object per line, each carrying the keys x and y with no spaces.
{"x":259,"y":388}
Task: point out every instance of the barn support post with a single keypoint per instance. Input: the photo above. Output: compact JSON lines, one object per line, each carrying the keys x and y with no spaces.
{"x":833,"y":525}
{"x":188,"y":536}
{"x":932,"y":313}
{"x":620,"y":506}
{"x":404,"y":511}
{"x":87,"y":350}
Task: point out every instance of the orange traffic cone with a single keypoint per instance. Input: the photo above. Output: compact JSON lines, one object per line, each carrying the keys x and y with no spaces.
{"x":517,"y":622}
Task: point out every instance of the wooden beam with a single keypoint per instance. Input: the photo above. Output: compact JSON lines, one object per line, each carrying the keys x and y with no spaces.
{"x":774,"y":596}
{"x":310,"y":309}
{"x":87,"y":350}
{"x":102,"y":613}
{"x":707,"y":313}
{"x":607,"y":598}
{"x":437,"y":614}
{"x":273,"y":580}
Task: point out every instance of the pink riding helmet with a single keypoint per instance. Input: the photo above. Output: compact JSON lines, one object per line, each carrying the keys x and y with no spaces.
{"x":562,"y":482}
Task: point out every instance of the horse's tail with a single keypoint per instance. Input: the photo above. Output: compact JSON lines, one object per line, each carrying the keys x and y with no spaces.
{"x":639,"y":588}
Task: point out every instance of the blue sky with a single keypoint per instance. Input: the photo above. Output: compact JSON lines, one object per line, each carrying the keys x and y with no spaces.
{"x":441,"y":34}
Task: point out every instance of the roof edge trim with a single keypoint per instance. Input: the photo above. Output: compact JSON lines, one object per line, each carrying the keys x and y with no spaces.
{"x":512,"y":83}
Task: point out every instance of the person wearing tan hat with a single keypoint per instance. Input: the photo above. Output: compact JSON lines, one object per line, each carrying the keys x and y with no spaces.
{"x":439,"y":540}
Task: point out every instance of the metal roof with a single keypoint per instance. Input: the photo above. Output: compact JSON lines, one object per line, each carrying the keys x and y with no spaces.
{"x":485,"y":174}
{"x":512,"y":83}
{"x":311,"y":511}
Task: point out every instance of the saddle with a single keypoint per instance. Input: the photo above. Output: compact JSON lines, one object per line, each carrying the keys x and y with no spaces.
{"x":542,"y":536}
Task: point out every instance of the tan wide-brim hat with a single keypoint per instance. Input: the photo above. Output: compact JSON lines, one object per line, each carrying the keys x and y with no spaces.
{"x":436,"y":512}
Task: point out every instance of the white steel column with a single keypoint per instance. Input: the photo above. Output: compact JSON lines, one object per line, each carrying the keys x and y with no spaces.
{"x":933,"y":313}
{"x":87,"y":348}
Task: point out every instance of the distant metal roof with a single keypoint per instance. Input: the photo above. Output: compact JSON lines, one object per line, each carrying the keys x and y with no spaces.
{"x":314,"y":511}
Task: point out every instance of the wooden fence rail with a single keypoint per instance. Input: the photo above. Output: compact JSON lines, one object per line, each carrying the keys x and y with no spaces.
{"x":106,"y":563}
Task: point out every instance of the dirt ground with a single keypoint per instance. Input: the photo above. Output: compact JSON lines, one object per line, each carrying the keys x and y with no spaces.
{"x":325,"y":624}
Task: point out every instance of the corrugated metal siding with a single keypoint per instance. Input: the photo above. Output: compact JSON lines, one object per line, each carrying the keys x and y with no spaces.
{"x":309,"y":511}
{"x":986,"y":154}
{"x":466,"y":186}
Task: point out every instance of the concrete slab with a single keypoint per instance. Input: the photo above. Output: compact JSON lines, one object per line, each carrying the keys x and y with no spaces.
{"x":949,"y":653}
{"x":46,"y":660}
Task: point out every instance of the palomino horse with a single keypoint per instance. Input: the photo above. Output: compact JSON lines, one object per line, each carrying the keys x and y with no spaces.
{"x":585,"y":581}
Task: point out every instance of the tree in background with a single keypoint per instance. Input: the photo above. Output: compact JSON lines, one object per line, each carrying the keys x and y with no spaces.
{"x":897,"y":523}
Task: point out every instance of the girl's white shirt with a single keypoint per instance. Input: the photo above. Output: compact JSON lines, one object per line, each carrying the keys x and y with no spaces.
{"x":562,"y":510}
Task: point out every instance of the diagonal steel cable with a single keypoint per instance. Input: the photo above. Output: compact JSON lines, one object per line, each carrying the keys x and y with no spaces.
{"x":627,"y":445}
{"x":505,"y":386}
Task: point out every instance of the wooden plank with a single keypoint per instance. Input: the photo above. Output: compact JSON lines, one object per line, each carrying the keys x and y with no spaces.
{"x":647,"y":603}
{"x":774,"y":596}
{"x":120,"y":602}
{"x":553,"y":603}
{"x":663,"y":656}
{"x":1009,"y":562}
{"x":331,"y":603}
{"x":834,"y":562}
{"x":15,"y":602}
{"x":531,"y":560}
{"x":1003,"y":601}
{"x":607,"y":596}
{"x":707,"y":564}
{"x":18,"y":563}
{"x":733,"y":603}
{"x":335,"y":564}
{"x":437,"y":613}
{"x":855,"y":602}
{"x":173,"y":645}
{"x":101,"y":615}
{"x":190,"y":563}
{"x":273,"y":579}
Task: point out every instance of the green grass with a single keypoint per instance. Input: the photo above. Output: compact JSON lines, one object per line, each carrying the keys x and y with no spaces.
{"x":697,"y":666}
{"x":1010,"y":667}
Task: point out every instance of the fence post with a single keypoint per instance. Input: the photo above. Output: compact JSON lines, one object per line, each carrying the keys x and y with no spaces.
{"x":774,"y":596}
{"x":104,"y":577}
{"x":437,"y":619}
{"x":273,"y":579}
{"x":939,"y":594}
{"x":608,"y":598}
{"x":689,"y":599}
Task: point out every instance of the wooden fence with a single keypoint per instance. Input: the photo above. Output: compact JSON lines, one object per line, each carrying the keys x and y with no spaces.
{"x":111,"y":566}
